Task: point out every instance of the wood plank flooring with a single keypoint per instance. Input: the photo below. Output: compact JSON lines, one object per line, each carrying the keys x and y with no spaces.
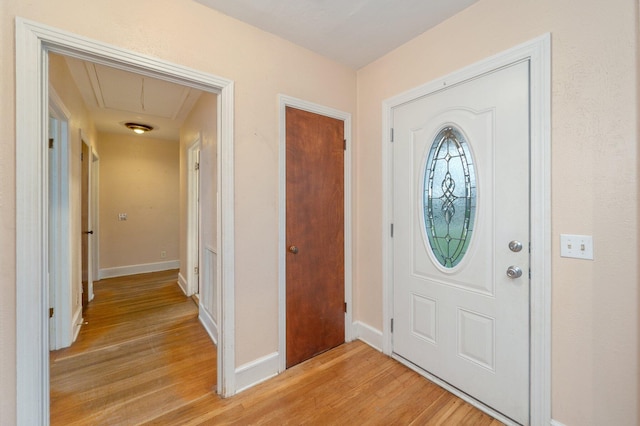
{"x":143,"y":358}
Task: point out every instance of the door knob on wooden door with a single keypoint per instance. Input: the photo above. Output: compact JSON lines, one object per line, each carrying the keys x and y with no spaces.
{"x":293,"y":249}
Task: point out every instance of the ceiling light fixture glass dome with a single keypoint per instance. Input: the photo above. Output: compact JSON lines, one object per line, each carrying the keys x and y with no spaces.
{"x":138,"y":128}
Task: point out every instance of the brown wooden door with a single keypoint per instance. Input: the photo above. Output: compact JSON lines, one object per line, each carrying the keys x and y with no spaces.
{"x":315,"y":234}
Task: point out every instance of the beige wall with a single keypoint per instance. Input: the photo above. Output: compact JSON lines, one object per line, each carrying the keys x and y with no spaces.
{"x":189,"y":34}
{"x":201,"y":123}
{"x":594,"y":182}
{"x":594,"y":163}
{"x":139,"y":176}
{"x":64,"y":86}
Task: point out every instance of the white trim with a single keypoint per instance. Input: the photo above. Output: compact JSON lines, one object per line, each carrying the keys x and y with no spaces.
{"x":556,"y":423}
{"x":225,"y":243}
{"x":77,"y":322}
{"x":283,"y":102}
{"x":371,"y":336}
{"x":90,"y":238}
{"x":538,"y":53}
{"x":95,"y":203}
{"x":209,"y":299}
{"x":143,"y":268}
{"x":193,"y":219}
{"x":33,"y":42}
{"x":60,"y":266}
{"x":254,"y":372}
{"x":182,"y":282}
{"x":208,"y":323}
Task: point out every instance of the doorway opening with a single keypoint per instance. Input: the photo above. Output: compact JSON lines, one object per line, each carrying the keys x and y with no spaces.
{"x":34,"y":41}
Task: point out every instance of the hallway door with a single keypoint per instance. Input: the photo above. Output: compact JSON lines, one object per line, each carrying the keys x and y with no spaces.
{"x":315,"y":295}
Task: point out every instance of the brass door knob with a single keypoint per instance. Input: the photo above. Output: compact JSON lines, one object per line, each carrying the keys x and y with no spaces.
{"x":293,"y":249}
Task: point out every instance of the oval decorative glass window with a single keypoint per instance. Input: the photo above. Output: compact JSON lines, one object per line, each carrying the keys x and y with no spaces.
{"x":449,"y":197}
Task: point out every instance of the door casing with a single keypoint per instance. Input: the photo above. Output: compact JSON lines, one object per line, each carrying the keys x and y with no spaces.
{"x":287,"y":101}
{"x":86,"y":200}
{"x":33,"y":42}
{"x":538,"y":53}
{"x":60,"y":268}
{"x":193,"y":219}
{"x":94,"y":217}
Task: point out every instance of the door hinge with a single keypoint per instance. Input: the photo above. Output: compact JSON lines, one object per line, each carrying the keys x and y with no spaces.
{"x":392,"y":325}
{"x":196,"y":270}
{"x":82,"y":156}
{"x":51,"y":143}
{"x":345,"y":144}
{"x":197,"y":166}
{"x":392,"y":134}
{"x":392,"y":230}
{"x":50,"y":312}
{"x":345,"y":307}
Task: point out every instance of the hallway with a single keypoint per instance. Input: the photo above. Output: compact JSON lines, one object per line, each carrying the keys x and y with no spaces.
{"x":141,"y":353}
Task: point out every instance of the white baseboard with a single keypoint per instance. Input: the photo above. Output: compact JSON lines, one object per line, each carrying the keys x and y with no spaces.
{"x":368,"y":334}
{"x":76,"y":323}
{"x":254,"y":372}
{"x":556,"y":423}
{"x":182,"y":282}
{"x":208,"y":323}
{"x":121,"y":271}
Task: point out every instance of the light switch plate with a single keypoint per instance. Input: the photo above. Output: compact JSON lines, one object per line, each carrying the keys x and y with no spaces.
{"x":576,"y":246}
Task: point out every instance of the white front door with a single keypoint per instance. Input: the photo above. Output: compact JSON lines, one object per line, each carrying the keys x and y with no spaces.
{"x":461,"y":236}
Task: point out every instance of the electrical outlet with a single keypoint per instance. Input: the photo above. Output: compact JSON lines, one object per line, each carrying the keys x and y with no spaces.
{"x":122,"y":216}
{"x":576,"y":246}
{"x":163,"y":254}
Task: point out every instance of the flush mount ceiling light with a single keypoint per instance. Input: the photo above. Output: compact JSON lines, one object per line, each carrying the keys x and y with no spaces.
{"x":138,"y":128}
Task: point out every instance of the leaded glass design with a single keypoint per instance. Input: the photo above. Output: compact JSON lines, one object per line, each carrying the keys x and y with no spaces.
{"x":449,"y":196}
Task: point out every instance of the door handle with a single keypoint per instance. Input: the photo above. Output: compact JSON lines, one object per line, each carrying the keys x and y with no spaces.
{"x":514,"y":272}
{"x":293,"y":249}
{"x":515,"y":246}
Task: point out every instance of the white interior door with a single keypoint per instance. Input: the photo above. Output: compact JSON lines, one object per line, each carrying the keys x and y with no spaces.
{"x":193,"y":221}
{"x":51,"y":267}
{"x":461,"y":196}
{"x":94,"y":217}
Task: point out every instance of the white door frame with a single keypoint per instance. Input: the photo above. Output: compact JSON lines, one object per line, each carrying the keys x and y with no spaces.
{"x":60,"y":266}
{"x":193,"y":219}
{"x":284,"y":102}
{"x":538,"y":53}
{"x":33,"y":42}
{"x":90,"y":243}
{"x":95,"y":218}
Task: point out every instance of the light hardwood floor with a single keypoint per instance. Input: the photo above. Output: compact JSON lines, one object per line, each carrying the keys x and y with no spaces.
{"x":143,"y":358}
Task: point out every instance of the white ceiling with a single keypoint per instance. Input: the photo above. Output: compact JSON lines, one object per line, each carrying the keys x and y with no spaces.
{"x":352,"y":32}
{"x":114,"y":97}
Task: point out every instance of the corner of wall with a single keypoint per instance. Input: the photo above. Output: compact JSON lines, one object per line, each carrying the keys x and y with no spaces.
{"x":182,"y":282}
{"x":371,"y":336}
{"x":257,"y":371}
